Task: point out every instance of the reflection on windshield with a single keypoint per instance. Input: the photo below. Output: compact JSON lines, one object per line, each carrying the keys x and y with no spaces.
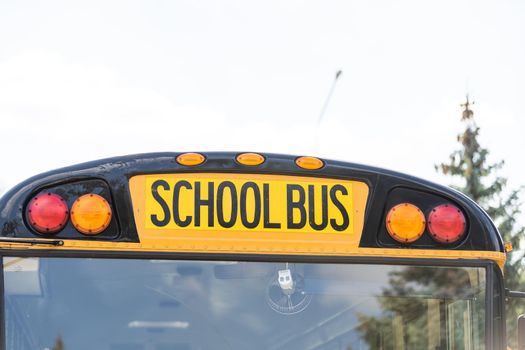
{"x":110,"y":304}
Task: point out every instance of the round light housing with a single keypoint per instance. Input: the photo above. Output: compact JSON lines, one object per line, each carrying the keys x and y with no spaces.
{"x":309,"y":163}
{"x":190,"y":159}
{"x":446,"y":223}
{"x":405,"y":223}
{"x":91,"y":214}
{"x":47,"y":213}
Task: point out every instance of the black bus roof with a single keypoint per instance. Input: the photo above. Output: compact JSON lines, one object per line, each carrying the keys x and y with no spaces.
{"x":385,"y":189}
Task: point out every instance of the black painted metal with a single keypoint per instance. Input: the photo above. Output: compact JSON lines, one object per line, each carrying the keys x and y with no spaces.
{"x":386,"y":189}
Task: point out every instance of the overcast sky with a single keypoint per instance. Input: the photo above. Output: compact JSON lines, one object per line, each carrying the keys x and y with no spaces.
{"x":92,"y":79}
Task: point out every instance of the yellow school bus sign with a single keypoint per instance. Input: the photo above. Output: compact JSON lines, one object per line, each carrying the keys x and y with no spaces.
{"x":248,"y":207}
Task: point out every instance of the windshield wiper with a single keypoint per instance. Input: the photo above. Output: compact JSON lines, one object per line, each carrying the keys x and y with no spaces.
{"x":53,"y":242}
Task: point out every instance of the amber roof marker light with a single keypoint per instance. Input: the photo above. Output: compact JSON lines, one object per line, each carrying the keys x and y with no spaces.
{"x":250,"y":159}
{"x":309,"y":163}
{"x":190,"y":159}
{"x":91,"y":214}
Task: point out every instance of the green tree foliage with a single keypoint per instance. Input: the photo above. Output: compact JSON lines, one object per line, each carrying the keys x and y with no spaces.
{"x":481,"y":182}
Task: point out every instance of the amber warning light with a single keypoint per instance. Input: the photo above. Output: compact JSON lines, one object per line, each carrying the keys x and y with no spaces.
{"x":91,"y":214}
{"x":405,"y":223}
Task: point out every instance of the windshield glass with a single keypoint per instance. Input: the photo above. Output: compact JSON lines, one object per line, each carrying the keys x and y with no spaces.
{"x":76,"y":304}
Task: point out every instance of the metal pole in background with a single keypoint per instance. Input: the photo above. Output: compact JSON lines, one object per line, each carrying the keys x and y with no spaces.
{"x":325,"y":107}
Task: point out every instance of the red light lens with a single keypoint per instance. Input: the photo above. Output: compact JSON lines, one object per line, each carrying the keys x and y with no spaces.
{"x":47,"y":213}
{"x":446,"y":223}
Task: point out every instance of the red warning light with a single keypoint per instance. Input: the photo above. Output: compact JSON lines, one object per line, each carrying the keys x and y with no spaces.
{"x":446,"y":223}
{"x":47,"y":213}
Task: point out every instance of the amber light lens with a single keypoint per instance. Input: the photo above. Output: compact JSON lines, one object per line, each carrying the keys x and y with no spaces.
{"x":446,"y":223}
{"x":250,"y":159}
{"x":47,"y":213}
{"x":91,"y":214}
{"x":309,"y":163}
{"x":405,"y":223}
{"x":191,"y":159}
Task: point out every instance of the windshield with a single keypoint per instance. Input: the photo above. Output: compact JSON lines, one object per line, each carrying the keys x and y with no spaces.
{"x":112,"y":304}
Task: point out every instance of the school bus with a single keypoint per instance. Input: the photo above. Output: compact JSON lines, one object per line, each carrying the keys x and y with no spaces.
{"x":192,"y":251}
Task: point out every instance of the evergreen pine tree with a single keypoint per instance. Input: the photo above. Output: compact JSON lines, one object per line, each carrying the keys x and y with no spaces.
{"x":481,"y":182}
